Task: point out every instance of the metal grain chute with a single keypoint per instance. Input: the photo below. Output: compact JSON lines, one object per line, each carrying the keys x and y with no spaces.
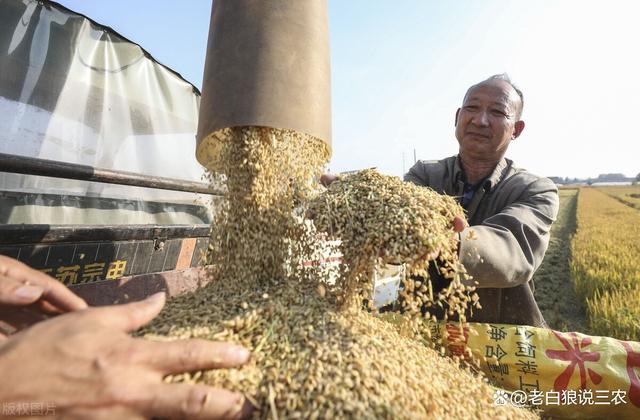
{"x":267,"y":65}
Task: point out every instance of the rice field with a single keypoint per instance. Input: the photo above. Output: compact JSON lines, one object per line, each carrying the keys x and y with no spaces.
{"x":629,"y":195}
{"x":605,"y":263}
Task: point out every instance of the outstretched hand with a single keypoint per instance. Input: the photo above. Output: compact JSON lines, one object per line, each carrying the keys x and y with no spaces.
{"x":86,"y":365}
{"x":28,"y":296}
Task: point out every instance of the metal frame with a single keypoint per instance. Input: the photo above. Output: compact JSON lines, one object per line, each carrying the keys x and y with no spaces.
{"x":51,"y":168}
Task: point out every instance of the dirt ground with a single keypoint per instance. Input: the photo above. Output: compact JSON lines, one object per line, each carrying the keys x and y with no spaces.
{"x":554,"y":292}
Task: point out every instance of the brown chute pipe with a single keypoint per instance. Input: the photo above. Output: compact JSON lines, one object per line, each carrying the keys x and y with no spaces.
{"x":267,"y":65}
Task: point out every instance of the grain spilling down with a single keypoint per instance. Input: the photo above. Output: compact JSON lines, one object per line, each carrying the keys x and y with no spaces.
{"x":316,"y":352}
{"x":381,"y":219}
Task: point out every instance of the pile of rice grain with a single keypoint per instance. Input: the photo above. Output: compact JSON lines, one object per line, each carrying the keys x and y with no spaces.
{"x":381,"y":219}
{"x":315,"y":352}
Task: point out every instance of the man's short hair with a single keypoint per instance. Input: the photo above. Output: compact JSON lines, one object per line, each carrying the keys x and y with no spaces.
{"x":505,"y":78}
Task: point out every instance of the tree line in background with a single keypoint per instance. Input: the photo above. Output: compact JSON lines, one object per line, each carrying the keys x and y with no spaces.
{"x":604,"y":178}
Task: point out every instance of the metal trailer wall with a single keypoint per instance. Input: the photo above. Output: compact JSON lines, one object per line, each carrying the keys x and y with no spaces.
{"x":79,"y":100}
{"x":75,"y":91}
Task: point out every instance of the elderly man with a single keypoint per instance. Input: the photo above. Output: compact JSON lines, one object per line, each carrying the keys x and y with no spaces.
{"x":509,"y":209}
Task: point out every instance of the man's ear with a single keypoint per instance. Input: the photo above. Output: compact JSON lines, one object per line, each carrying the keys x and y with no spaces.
{"x":456,"y":120}
{"x":517,"y":129}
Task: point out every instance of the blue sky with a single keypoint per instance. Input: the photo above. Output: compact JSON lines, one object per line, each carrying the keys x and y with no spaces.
{"x":400,"y":70}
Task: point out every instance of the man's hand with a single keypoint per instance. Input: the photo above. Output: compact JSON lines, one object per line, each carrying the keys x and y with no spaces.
{"x":327,"y":179}
{"x":28,"y":296}
{"x":459,"y":224}
{"x":86,"y":365}
{"x":21,"y":285}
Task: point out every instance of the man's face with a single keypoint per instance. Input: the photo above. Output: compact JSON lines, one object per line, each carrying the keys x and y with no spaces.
{"x":488,"y":121}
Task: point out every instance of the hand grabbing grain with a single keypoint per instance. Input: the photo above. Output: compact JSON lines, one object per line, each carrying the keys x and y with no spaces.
{"x":85,"y":364}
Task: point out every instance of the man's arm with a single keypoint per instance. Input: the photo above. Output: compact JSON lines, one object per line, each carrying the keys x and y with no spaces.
{"x":511,"y":244}
{"x":417,"y":175}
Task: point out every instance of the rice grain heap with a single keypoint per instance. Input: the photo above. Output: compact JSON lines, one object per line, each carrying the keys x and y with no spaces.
{"x":381,"y":219}
{"x":315,"y":352}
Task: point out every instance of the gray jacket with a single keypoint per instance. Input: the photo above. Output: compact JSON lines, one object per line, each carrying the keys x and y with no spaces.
{"x":511,"y":214}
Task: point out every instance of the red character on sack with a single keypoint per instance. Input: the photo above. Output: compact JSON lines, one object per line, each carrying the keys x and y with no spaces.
{"x":457,"y":339}
{"x":577,"y":357}
{"x":633,"y":361}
